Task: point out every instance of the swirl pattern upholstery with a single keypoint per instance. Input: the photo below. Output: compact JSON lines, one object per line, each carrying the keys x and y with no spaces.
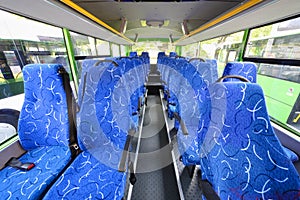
{"x":208,"y":70}
{"x":134,"y":77}
{"x":248,"y":70}
{"x":172,"y":54}
{"x":85,"y":65}
{"x":245,"y":69}
{"x":43,"y":131}
{"x":214,"y":69}
{"x":187,"y":89}
{"x":94,"y":173}
{"x":194,"y":108}
{"x":133,"y":54}
{"x":240,"y":154}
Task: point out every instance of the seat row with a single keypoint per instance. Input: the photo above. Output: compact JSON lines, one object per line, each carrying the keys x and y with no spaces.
{"x":106,"y":123}
{"x":227,"y":130}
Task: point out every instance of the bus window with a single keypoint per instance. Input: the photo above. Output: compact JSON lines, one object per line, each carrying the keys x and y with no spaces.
{"x":232,"y":56}
{"x":191,"y":50}
{"x":123,"y":50}
{"x":115,"y":50}
{"x":102,"y":48}
{"x":83,"y":45}
{"x":153,"y":47}
{"x":87,"y":47}
{"x":225,"y":49}
{"x":278,"y":42}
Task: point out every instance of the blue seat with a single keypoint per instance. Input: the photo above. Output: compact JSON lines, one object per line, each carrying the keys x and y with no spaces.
{"x":194,"y":110}
{"x":85,"y":65}
{"x":43,"y":131}
{"x":240,"y":155}
{"x":214,"y":68}
{"x":249,"y":70}
{"x":244,"y":69}
{"x":135,"y":85}
{"x":104,"y":120}
{"x":206,"y":71}
{"x":172,"y":54}
{"x":133,"y":54}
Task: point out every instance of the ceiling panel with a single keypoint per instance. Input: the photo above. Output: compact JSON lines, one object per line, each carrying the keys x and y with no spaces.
{"x":196,"y":13}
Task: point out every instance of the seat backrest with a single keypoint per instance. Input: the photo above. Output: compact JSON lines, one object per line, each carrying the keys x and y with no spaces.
{"x":193,"y":110}
{"x":205,"y":69}
{"x":245,"y":69}
{"x":161,"y":54}
{"x":214,"y":68}
{"x":106,"y":102}
{"x":241,"y":156}
{"x":44,"y":116}
{"x":133,"y":54}
{"x":173,"y":54}
{"x":85,"y":65}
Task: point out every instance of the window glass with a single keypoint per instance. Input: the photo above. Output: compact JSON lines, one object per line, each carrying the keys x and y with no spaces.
{"x":83,"y":45}
{"x":21,"y":45}
{"x":283,"y":102}
{"x":225,"y":49}
{"x":190,"y":51}
{"x":285,"y":72}
{"x":279,"y":40}
{"x":115,"y":50}
{"x":153,"y":48}
{"x":102,"y":48}
{"x":123,"y":50}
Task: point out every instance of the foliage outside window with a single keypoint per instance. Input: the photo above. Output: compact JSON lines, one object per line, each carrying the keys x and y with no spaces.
{"x":83,"y":45}
{"x":123,"y":50}
{"x":190,"y":51}
{"x":115,"y":50}
{"x":224,"y":49}
{"x":102,"y":48}
{"x":279,"y":40}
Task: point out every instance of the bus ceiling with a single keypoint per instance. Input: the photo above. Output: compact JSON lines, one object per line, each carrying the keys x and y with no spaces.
{"x":183,"y":22}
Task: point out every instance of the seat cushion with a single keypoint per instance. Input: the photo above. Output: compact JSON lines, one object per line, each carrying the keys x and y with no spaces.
{"x":88,"y":178}
{"x":49,"y":162}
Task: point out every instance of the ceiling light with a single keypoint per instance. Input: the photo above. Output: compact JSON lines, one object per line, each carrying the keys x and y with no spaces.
{"x":143,"y":22}
{"x":154,"y":23}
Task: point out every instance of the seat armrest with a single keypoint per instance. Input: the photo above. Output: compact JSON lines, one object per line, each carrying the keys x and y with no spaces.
{"x":182,"y":124}
{"x":125,"y":153}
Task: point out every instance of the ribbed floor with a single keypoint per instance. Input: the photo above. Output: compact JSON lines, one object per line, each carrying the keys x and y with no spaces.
{"x":155,"y":173}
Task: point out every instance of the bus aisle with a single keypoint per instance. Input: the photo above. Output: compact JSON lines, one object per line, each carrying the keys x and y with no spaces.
{"x":155,"y":172}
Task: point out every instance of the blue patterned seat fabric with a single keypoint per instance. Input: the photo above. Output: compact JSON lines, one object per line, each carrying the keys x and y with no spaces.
{"x":214,"y":69}
{"x":103,"y":122}
{"x":43,"y":131}
{"x":207,"y":69}
{"x":249,"y":70}
{"x":134,"y":76}
{"x":240,"y":154}
{"x":133,"y":54}
{"x":186,"y":95}
{"x":172,"y":54}
{"x":193,"y":109}
{"x":244,"y":69}
{"x":85,"y":65}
